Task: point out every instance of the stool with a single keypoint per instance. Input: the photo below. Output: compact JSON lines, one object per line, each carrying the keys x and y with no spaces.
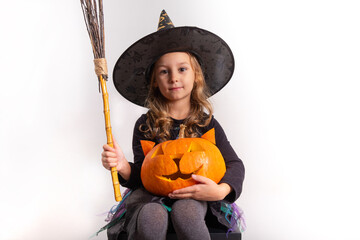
{"x":215,"y":234}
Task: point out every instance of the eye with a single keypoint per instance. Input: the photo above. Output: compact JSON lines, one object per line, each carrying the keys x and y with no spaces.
{"x":163,"y":71}
{"x":195,"y":147}
{"x":159,"y":151}
{"x":182,"y":69}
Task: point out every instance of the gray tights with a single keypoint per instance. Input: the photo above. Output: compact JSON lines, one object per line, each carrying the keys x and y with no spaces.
{"x":187,"y":217}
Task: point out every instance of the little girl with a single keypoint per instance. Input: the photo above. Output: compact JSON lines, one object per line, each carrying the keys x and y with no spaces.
{"x":173,"y":72}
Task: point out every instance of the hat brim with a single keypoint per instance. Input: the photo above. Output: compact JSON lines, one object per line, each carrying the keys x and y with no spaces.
{"x":130,"y":72}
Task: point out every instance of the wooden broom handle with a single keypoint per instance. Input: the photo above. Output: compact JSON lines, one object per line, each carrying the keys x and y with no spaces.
{"x":114,"y":173}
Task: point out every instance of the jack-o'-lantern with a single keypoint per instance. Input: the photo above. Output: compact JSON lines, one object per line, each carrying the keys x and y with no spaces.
{"x":169,"y":165}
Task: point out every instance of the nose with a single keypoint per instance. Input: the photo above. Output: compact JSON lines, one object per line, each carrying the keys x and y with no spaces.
{"x":174,"y":77}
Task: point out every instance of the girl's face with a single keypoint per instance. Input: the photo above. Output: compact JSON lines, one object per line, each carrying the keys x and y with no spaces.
{"x":174,"y":76}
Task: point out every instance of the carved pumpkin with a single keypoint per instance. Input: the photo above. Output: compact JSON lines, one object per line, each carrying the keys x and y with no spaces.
{"x":169,"y":165}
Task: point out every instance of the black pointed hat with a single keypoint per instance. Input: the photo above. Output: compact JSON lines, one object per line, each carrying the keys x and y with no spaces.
{"x":132,"y":70}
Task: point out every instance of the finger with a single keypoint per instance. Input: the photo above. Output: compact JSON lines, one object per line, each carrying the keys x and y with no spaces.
{"x":106,"y":165}
{"x":109,"y":160}
{"x":180,"y":196}
{"x":202,"y":179}
{"x":112,"y":164}
{"x":185,"y":190}
{"x":108,"y":154}
{"x":109,"y":163}
{"x":106,"y":147}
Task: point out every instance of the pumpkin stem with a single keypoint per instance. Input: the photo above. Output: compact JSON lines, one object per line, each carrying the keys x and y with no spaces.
{"x":182,"y":131}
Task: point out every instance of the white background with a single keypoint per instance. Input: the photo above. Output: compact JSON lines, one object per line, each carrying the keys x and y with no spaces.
{"x":291,"y":111}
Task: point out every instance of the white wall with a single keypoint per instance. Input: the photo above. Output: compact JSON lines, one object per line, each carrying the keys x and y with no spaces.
{"x":291,"y":112}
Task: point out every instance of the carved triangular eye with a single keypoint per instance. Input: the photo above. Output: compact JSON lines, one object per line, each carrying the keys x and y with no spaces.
{"x":195,"y":147}
{"x":158,"y":151}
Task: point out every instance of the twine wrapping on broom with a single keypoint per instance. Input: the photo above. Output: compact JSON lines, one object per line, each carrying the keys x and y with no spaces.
{"x":100,"y":67}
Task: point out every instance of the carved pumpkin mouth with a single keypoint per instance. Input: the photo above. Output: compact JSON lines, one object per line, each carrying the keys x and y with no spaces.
{"x":179,"y":174}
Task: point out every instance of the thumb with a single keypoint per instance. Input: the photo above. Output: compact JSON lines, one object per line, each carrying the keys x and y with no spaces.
{"x":116,"y":145}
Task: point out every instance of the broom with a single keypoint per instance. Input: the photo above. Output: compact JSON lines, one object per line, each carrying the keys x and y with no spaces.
{"x":94,"y":20}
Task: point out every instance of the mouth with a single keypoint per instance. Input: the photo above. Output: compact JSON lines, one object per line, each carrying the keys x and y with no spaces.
{"x":175,"y":88}
{"x":180,"y":175}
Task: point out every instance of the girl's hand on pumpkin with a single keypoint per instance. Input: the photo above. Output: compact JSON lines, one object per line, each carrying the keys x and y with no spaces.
{"x":114,"y":157}
{"x":205,"y":190}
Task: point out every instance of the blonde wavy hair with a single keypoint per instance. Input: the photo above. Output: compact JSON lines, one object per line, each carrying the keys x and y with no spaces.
{"x":159,"y":123}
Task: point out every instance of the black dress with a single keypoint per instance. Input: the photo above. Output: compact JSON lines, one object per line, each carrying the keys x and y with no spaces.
{"x":217,"y":216}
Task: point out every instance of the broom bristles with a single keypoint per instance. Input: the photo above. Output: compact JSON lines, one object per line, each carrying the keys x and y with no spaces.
{"x":94,"y":20}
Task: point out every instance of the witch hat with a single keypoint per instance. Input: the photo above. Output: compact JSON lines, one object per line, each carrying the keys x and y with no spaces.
{"x":131,"y":74}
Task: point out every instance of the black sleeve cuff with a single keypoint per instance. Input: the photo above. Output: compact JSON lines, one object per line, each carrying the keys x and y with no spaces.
{"x":134,"y":180}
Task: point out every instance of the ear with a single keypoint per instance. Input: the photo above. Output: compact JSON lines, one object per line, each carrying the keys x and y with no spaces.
{"x":210,"y":135}
{"x":146,"y":146}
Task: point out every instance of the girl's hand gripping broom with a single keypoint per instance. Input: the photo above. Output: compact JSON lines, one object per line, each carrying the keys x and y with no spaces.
{"x":95,"y":27}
